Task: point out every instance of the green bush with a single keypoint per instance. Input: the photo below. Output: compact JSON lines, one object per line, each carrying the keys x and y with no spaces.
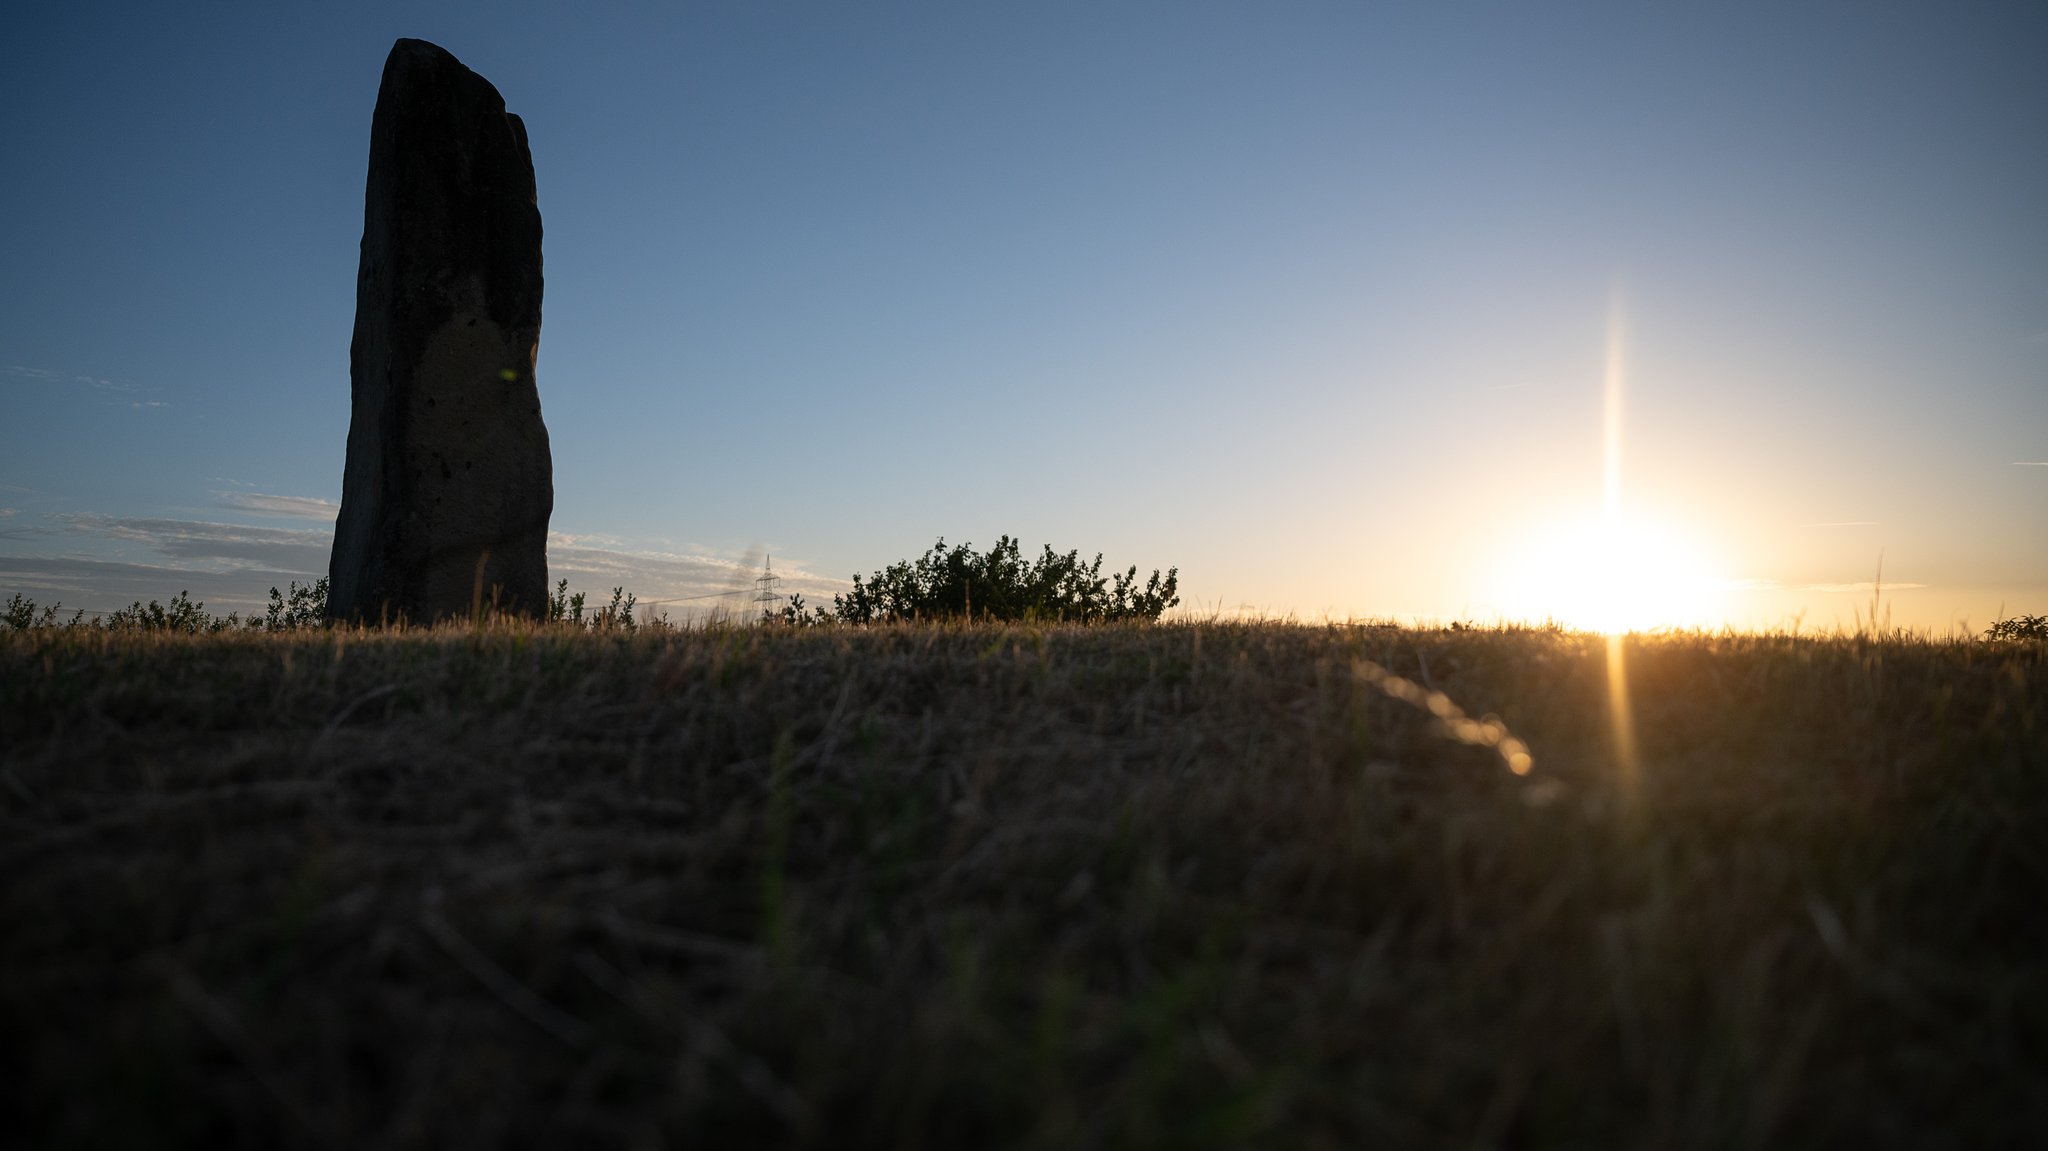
{"x":795,"y":614}
{"x":566,"y":608}
{"x":618,"y":614}
{"x":21,"y":614}
{"x":181,"y":615}
{"x":303,"y":607}
{"x":2019,"y":627}
{"x":958,"y":582}
{"x":563,"y":607}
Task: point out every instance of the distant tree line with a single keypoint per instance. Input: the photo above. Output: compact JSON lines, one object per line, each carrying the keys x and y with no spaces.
{"x":955,"y":583}
{"x":291,"y":610}
{"x":946,"y":583}
{"x":300,"y":607}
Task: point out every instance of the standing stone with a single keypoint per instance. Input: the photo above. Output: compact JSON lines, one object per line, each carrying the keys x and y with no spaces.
{"x":449,"y":484}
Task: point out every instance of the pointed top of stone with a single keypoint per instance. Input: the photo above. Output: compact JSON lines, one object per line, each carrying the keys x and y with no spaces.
{"x":415,"y":63}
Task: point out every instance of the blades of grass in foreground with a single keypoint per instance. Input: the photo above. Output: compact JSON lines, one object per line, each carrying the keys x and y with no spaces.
{"x":1189,"y":885}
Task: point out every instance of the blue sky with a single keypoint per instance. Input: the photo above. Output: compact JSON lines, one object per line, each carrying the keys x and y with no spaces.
{"x":1311,"y":300}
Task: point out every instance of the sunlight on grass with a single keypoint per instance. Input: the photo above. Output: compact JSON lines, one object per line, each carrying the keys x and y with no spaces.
{"x":1621,"y":716}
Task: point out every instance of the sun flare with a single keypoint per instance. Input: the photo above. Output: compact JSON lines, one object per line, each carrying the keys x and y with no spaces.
{"x":1615,"y":576}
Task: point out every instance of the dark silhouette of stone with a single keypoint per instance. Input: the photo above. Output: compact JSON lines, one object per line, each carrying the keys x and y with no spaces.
{"x":449,"y":483}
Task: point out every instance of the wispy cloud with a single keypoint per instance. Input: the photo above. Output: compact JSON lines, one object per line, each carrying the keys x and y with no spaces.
{"x":101,"y":585}
{"x":237,"y":564}
{"x":46,"y":375}
{"x":2030,"y":463}
{"x":219,"y":547}
{"x":15,"y":526}
{"x":1864,"y":587}
{"x":113,"y":393}
{"x":680,"y":583}
{"x":298,"y":507}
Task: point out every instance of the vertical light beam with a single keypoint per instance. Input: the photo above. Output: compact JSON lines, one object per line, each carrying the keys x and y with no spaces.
{"x":1611,"y":489}
{"x":1621,"y":718}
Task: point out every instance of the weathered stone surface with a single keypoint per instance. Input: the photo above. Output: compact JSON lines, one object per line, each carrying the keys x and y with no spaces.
{"x":449,"y":482}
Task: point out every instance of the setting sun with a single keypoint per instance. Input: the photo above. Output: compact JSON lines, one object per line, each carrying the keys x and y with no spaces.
{"x":1614,"y":576}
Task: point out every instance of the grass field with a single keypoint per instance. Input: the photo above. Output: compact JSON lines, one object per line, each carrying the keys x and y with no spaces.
{"x":1198,"y":885}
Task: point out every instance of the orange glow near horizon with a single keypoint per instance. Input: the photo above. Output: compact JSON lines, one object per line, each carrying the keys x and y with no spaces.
{"x":1615,"y":575}
{"x":1619,"y":573}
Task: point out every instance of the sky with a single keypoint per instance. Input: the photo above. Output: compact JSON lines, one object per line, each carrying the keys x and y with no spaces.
{"x":1724,"y":315}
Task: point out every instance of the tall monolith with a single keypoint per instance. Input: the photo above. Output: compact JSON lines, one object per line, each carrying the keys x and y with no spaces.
{"x":449,"y":483}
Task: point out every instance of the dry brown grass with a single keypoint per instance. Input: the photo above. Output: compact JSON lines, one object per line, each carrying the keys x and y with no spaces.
{"x":1191,"y":885}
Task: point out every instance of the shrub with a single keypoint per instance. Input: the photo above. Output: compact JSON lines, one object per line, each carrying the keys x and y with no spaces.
{"x":563,"y":607}
{"x":21,"y":614}
{"x":958,"y":582}
{"x":566,"y":608}
{"x":2019,"y":627}
{"x":618,"y":614}
{"x":796,"y":614}
{"x":181,"y":615}
{"x":303,"y":607}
